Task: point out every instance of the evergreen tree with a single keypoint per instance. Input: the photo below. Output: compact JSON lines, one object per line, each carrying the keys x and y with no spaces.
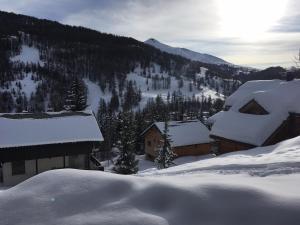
{"x":77,"y":96}
{"x":165,"y":155}
{"x":126,"y":163}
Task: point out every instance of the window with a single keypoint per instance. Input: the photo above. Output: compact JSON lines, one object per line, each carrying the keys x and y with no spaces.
{"x":18,"y":167}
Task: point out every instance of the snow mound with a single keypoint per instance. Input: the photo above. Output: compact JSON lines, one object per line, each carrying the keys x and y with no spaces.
{"x":92,"y":197}
{"x":203,"y":192}
{"x":282,"y":158}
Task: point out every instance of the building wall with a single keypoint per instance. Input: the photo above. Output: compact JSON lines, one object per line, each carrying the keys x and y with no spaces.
{"x":199,"y":149}
{"x":154,"y":137}
{"x":9,"y":179}
{"x":295,"y":125}
{"x":225,"y":146}
{"x":42,"y":165}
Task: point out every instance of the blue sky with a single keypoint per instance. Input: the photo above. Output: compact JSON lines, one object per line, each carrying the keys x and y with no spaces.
{"x":257,"y":33}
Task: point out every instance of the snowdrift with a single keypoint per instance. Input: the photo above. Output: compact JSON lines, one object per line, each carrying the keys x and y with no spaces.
{"x":196,"y":193}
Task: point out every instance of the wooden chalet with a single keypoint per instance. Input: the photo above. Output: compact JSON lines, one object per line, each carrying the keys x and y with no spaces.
{"x":187,"y":138}
{"x":259,"y":113}
{"x":34,"y":143}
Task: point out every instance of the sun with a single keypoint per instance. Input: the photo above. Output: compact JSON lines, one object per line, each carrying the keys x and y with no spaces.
{"x":249,"y":19}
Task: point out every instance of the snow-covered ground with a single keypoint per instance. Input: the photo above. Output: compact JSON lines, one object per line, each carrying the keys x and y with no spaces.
{"x":95,"y":93}
{"x":28,"y":55}
{"x":258,"y":186}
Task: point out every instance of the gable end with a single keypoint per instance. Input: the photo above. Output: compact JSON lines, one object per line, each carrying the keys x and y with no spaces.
{"x":253,"y":107}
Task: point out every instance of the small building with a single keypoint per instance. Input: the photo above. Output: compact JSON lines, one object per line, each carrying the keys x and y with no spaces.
{"x":187,"y":138}
{"x":259,"y":113}
{"x":34,"y":143}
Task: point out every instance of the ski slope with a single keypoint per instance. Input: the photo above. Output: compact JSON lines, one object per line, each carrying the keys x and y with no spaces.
{"x":258,"y":186}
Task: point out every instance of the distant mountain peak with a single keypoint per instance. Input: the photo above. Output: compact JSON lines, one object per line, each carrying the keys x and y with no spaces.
{"x":186,"y":53}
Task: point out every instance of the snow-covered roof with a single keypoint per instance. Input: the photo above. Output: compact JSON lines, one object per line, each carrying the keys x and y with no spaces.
{"x":278,"y":98}
{"x":185,"y":132}
{"x":246,"y":128}
{"x":273,"y":95}
{"x":47,"y":128}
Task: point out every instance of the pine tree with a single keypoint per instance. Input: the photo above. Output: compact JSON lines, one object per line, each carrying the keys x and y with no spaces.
{"x":126,"y":163}
{"x":165,"y":155}
{"x":77,"y":96}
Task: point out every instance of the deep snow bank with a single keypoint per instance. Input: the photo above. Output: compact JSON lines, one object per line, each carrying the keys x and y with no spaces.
{"x":282,"y":158}
{"x":92,"y":197}
{"x":258,"y":186}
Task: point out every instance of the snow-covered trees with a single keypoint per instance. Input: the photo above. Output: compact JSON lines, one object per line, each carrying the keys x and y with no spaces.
{"x":76,"y":97}
{"x":165,"y":155}
{"x":126,"y":163}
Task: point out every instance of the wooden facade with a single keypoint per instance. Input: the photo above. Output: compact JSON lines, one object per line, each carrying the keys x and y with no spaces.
{"x":289,"y":128}
{"x":45,"y":151}
{"x":252,"y":107}
{"x":153,"y":139}
{"x":223,"y":145}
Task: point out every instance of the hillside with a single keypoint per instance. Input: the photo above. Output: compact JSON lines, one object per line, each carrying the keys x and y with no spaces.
{"x":40,"y":58}
{"x":260,"y":184}
{"x":186,"y":53}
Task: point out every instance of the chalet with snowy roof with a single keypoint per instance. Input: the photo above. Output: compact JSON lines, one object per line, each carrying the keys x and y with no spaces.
{"x":259,"y":113}
{"x":33,"y":143}
{"x":187,"y":138}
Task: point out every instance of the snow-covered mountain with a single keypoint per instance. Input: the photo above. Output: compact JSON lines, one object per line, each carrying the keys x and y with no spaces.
{"x":186,"y":53}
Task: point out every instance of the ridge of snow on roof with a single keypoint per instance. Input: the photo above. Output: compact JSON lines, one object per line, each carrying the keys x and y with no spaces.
{"x":278,"y":97}
{"x":246,"y":128}
{"x":273,"y":95}
{"x":185,"y":132}
{"x":47,"y":128}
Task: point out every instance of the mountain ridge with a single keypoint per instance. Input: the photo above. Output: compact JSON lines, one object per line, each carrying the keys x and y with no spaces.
{"x":186,"y":53}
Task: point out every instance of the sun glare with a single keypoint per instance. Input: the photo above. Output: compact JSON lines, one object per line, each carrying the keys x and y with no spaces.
{"x":249,"y":19}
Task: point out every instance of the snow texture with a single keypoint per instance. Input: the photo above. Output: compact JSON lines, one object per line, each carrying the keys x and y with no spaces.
{"x":28,"y":55}
{"x":282,"y":158}
{"x":28,"y":85}
{"x":246,"y":128}
{"x":278,"y":98}
{"x":148,"y":92}
{"x":51,"y":130}
{"x":273,"y":95}
{"x":186,"y":53}
{"x":94,"y":94}
{"x":178,"y":130}
{"x":259,"y":186}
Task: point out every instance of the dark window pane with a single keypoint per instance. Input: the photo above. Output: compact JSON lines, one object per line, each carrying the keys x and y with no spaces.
{"x":18,"y":167}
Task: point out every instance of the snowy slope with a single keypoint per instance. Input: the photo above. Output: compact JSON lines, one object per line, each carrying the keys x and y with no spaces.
{"x":186,"y":53}
{"x":282,"y":158}
{"x":145,"y":85}
{"x":259,"y":186}
{"x":94,"y":93}
{"x":28,"y":86}
{"x":28,"y":55}
{"x":148,"y":92}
